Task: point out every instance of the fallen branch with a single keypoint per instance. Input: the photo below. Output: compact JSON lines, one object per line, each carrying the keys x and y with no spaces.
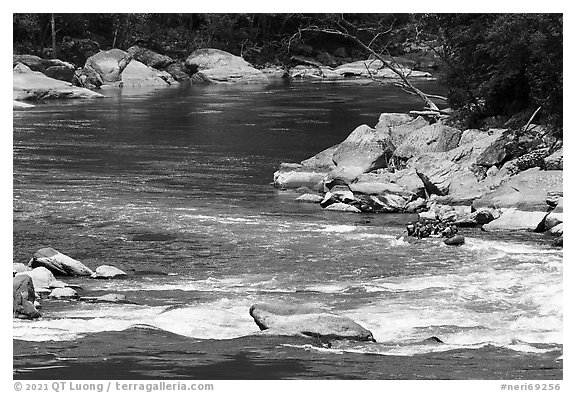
{"x":405,"y":82}
{"x":531,"y":118}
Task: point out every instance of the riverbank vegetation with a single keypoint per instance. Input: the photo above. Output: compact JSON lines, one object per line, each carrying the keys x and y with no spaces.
{"x":498,"y":68}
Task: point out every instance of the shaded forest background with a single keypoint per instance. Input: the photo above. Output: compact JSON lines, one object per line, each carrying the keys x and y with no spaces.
{"x":493,"y":65}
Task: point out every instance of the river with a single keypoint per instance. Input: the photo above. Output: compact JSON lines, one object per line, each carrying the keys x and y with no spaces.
{"x":173,"y":186}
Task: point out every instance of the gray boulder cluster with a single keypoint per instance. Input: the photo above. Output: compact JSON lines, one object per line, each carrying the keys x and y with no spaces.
{"x":36,"y":279}
{"x":500,"y":179}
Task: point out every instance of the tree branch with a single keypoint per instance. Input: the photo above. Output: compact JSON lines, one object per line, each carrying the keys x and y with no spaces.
{"x":395,"y":68}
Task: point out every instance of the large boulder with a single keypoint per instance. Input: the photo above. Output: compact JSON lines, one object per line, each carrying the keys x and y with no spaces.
{"x":555,"y":161}
{"x":63,"y":293}
{"x":34,"y":85}
{"x":309,"y":173}
{"x":431,"y":138}
{"x":514,"y":219}
{"x":107,"y":271}
{"x":291,"y":319}
{"x":409,"y":180}
{"x":435,"y":172}
{"x":298,"y":175}
{"x":53,"y":68}
{"x":322,"y":160}
{"x":557,"y":230}
{"x":309,"y":198}
{"x":342,"y":207}
{"x":275,"y":72}
{"x":43,"y":279}
{"x":395,"y":119}
{"x":20,"y":268}
{"x":313,"y":72}
{"x":377,"y":184}
{"x":556,"y":216}
{"x":218,"y":66}
{"x":498,"y":150}
{"x":59,"y":263}
{"x":23,"y":297}
{"x":107,"y":65}
{"x":364,"y":150}
{"x":138,"y":74}
{"x":528,"y":191}
{"x":374,"y":69}
{"x":472,"y":135}
{"x":149,"y":57}
{"x":399,"y":132}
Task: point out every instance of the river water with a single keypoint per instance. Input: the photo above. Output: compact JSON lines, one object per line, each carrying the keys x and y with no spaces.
{"x":173,"y":187}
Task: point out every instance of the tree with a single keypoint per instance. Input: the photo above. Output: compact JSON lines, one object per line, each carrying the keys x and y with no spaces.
{"x":501,"y":64}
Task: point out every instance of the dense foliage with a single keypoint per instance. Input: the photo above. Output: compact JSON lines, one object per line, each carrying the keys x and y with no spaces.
{"x":502,"y":64}
{"x":495,"y":64}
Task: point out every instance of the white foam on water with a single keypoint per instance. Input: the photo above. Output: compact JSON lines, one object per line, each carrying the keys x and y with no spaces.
{"x":336,"y":228}
{"x":222,"y":319}
{"x":215,"y":321}
{"x":488,"y":305}
{"x":507,"y":247}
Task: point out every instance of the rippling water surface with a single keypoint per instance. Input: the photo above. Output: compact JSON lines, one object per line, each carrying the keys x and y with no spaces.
{"x":177,"y":181}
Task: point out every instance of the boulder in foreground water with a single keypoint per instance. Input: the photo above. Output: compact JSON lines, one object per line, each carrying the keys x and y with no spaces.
{"x":43,"y":279}
{"x":63,"y":293}
{"x":59,"y":263}
{"x":107,"y":271}
{"x":289,"y":319}
{"x":23,"y":297}
{"x":108,"y":298}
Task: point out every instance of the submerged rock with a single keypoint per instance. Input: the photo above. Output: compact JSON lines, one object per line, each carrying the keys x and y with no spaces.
{"x":23,"y":298}
{"x":309,"y":198}
{"x":63,"y":293}
{"x":291,"y":319}
{"x":108,"y":298}
{"x":107,"y":271}
{"x":342,"y":207}
{"x":59,"y":263}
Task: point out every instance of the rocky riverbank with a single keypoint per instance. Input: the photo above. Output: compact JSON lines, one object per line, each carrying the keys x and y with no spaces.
{"x":38,"y":79}
{"x":494,"y":178}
